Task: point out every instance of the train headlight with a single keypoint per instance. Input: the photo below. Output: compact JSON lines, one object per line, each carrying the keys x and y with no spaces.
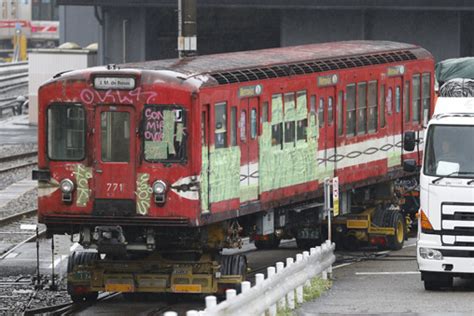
{"x":159,"y":187}
{"x":66,"y":186}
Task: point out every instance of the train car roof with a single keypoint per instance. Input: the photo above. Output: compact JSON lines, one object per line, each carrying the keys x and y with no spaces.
{"x":243,"y":66}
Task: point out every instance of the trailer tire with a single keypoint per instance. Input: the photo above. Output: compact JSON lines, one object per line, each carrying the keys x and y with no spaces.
{"x":75,"y":259}
{"x":271,"y":243}
{"x":397,"y":221}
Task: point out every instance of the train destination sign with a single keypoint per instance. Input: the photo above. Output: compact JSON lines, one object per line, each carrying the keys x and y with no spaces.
{"x":120,"y":83}
{"x":328,"y":80}
{"x":250,"y":91}
{"x":395,"y":71}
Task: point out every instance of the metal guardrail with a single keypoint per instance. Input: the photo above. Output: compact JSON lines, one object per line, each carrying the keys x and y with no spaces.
{"x":283,"y":286}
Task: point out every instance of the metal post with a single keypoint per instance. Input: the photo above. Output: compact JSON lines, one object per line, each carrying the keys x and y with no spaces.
{"x":53,"y":282}
{"x":38,"y":280}
{"x":187,"y":29}
{"x":327,"y":204}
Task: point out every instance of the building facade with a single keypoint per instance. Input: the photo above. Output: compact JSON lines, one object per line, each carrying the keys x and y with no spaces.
{"x":137,"y":30}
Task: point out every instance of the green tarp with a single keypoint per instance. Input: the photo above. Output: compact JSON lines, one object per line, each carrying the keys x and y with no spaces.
{"x":454,"y":68}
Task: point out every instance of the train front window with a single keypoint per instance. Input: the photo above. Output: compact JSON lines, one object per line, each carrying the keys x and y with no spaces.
{"x":115,"y":136}
{"x":164,"y":133}
{"x":66,"y":132}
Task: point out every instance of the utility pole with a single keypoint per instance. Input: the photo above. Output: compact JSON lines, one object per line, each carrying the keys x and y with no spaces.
{"x":187,"y":28}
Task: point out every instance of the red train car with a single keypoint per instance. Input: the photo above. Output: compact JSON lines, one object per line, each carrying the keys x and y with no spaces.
{"x":189,"y":154}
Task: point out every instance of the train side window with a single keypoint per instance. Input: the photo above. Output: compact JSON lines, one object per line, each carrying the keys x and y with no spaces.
{"x":66,"y":132}
{"x":312,"y":104}
{"x":253,"y":123}
{"x":290,"y":112}
{"x":397,"y":99}
{"x":406,"y":101}
{"x":416,"y":99}
{"x":372,"y":104}
{"x":382,"y":106}
{"x":362,"y":108}
{"x":265,"y":112}
{"x":220,"y":125}
{"x":340,"y":114}
{"x":277,"y":118}
{"x":321,"y":112}
{"x":426,"y":84}
{"x":351,"y":109}
{"x":389,"y":101}
{"x":330,"y":111}
{"x":301,"y":107}
{"x":203,"y":128}
{"x":243,"y":126}
{"x":233,"y":126}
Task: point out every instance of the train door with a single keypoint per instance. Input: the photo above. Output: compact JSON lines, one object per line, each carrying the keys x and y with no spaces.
{"x":114,"y":155}
{"x":326,"y":116}
{"x":395,"y":86}
{"x":248,"y":127}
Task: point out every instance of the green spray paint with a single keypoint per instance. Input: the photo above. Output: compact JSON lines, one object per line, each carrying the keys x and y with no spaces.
{"x":156,"y":150}
{"x":143,"y":193}
{"x":82,"y":175}
{"x":204,"y":187}
{"x":224,"y":177}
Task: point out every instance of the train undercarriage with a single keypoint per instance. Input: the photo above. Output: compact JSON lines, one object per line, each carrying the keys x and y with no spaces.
{"x":189,"y":260}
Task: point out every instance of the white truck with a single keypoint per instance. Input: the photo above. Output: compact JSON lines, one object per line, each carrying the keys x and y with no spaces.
{"x":445,"y":246}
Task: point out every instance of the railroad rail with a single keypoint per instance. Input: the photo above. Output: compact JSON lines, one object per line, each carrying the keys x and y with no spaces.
{"x":12,"y":158}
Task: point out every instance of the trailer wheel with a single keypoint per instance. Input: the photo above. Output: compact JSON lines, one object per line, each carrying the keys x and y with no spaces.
{"x":75,"y":259}
{"x":436,"y":281}
{"x":271,"y":243}
{"x":234,"y":265}
{"x":396,"y":221}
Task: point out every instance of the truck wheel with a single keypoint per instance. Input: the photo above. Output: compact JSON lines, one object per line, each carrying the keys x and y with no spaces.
{"x":234,"y":265}
{"x":436,"y":281}
{"x":271,"y":243}
{"x":397,"y":221}
{"x":75,"y":259}
{"x":307,"y":243}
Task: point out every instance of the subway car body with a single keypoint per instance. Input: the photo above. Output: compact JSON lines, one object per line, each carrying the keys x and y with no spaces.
{"x":152,"y":161}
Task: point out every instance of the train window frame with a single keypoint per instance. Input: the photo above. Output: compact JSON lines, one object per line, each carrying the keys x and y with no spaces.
{"x":398,"y":99}
{"x":425,"y":97}
{"x":243,"y":126}
{"x":416,"y":99}
{"x":302,"y":124}
{"x":321,"y":111}
{"x":406,"y":102}
{"x":233,"y":126}
{"x":340,"y":113}
{"x":351,"y":111}
{"x":361,"y":110}
{"x":372,"y":106}
{"x":277,"y":128}
{"x":108,"y":153}
{"x":382,"y":100}
{"x":184,"y":154}
{"x":223,"y":130}
{"x":253,"y":123}
{"x":84,"y":125}
{"x":330,"y":110}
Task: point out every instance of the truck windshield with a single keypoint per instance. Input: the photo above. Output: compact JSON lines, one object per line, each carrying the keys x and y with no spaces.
{"x":164,"y":133}
{"x":450,"y":151}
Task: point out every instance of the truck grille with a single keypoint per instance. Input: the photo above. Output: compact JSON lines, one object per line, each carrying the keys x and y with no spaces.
{"x":457,"y":223}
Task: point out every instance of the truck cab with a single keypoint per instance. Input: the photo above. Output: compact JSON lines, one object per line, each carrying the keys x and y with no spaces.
{"x":445,"y":243}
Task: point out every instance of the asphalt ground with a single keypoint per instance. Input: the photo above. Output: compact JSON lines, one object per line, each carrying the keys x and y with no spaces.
{"x":389,"y":285}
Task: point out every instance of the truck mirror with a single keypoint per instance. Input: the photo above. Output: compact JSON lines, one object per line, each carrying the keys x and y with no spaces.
{"x":409,"y":140}
{"x":409,"y":165}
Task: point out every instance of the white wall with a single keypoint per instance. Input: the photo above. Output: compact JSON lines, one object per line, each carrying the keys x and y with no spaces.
{"x":44,"y":64}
